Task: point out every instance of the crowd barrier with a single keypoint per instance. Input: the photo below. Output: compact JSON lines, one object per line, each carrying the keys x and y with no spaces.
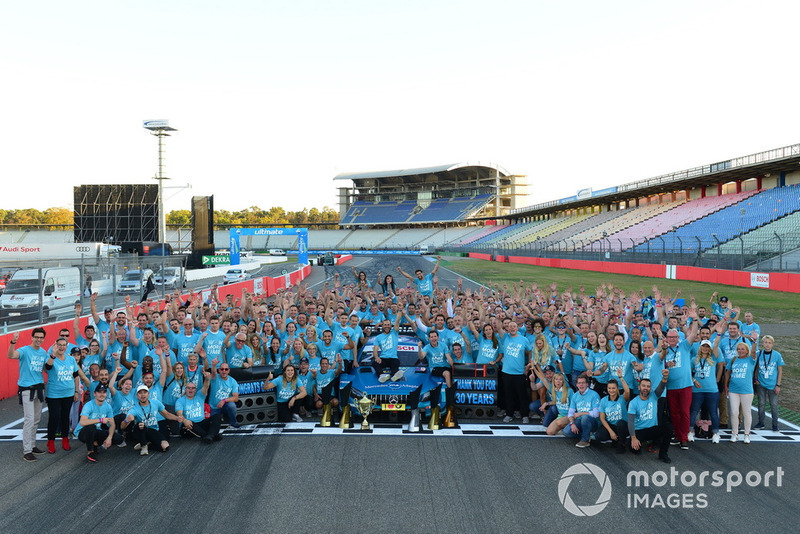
{"x":9,"y":369}
{"x":789,"y":282}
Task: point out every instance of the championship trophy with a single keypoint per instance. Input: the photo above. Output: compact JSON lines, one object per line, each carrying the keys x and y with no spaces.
{"x":327,"y":409}
{"x":365,"y":405}
{"x":344,"y":402}
{"x":433,"y":423}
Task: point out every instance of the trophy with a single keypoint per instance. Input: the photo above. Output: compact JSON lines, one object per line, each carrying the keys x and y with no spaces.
{"x":365,"y":405}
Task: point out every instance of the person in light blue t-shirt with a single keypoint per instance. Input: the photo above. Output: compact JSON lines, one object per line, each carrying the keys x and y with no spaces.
{"x":423,"y":282}
{"x":613,"y":413}
{"x":147,"y":427}
{"x":30,"y":387}
{"x":62,"y":391}
{"x":770,"y":373}
{"x":739,"y":386}
{"x":584,"y":413}
{"x":644,"y":422}
{"x":707,"y":370}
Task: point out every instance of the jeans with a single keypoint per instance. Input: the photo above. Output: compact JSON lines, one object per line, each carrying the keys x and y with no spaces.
{"x":229,"y":411}
{"x":763,"y":395}
{"x":550,"y":415}
{"x":586,"y":425}
{"x":620,"y":428}
{"x":711,"y":403}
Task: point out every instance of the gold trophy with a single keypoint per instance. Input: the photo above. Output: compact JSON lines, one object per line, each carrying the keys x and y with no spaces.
{"x":327,"y":412}
{"x":344,"y":422}
{"x":433,"y":424}
{"x":365,"y":405}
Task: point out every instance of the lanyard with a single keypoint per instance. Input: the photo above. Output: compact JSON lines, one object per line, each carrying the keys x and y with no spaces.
{"x":766,"y":361}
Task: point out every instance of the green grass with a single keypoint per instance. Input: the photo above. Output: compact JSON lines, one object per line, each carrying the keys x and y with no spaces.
{"x":768,"y":307}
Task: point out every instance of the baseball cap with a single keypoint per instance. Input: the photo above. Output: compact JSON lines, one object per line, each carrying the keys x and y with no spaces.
{"x":304,"y":359}
{"x":108,"y":310}
{"x":723,"y":299}
{"x":101,"y":388}
{"x":561,"y":324}
{"x":549,"y":368}
{"x":75,"y":350}
{"x":142,"y":388}
{"x":705,"y":342}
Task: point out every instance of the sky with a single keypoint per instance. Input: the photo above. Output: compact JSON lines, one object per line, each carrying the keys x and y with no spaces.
{"x":273,"y":99}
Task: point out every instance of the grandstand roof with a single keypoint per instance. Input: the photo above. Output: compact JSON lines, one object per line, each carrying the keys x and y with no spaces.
{"x":452,"y":167}
{"x":784,"y":159}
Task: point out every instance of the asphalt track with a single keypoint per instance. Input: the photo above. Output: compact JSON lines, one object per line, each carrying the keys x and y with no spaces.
{"x":311,"y":482}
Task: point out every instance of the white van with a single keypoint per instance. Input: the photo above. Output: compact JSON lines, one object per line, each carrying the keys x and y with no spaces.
{"x":61,"y":290}
{"x":133,"y":281}
{"x":277,"y":252}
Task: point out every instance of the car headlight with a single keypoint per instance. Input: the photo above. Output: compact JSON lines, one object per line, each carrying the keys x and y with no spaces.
{"x":35,"y":302}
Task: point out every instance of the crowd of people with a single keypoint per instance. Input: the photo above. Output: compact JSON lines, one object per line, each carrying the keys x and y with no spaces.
{"x":634,"y":369}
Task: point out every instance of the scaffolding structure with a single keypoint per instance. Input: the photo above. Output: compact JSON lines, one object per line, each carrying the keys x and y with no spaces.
{"x":116,"y":212}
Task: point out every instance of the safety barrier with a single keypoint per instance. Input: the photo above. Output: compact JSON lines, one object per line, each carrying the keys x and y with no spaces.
{"x":789,"y":282}
{"x":9,"y":369}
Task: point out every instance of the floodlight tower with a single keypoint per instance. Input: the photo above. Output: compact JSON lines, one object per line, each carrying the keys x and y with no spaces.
{"x":161,"y":129}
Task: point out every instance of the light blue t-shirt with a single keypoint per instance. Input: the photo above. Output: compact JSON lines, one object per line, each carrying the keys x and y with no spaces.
{"x":212,"y":344}
{"x":680,"y":375}
{"x":237,"y":356}
{"x":122,"y":403}
{"x":599,"y":359}
{"x":741,"y":381}
{"x":192,"y":409}
{"x":614,"y":410}
{"x":645,"y":412}
{"x":31,"y":363}
{"x":514,"y":357}
{"x":94,"y":411}
{"x":436,"y":355}
{"x":487,"y":352}
{"x":622,"y":361}
{"x":61,"y":378}
{"x":768,"y":363}
{"x":284,"y":390}
{"x":222,"y":389}
{"x":424,"y":286}
{"x":706,"y":374}
{"x":387,"y":344}
{"x":589,"y":402}
{"x":149,"y":415}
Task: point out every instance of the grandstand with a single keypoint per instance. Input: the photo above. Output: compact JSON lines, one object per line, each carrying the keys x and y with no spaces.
{"x":444,"y":194}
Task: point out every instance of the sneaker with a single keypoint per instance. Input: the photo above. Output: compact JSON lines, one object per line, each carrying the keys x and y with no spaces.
{"x":517,"y":415}
{"x":91,"y":456}
{"x":715,"y":438}
{"x":582,"y":444}
{"x":217,"y":437}
{"x":664,"y":458}
{"x":759,"y":425}
{"x":501,"y":413}
{"x":690,"y":437}
{"x":297,"y":418}
{"x":507,"y":419}
{"x":684,"y":445}
{"x":207,"y":440}
{"x":65,"y":444}
{"x":674,"y":441}
{"x":747,"y":438}
{"x":122,"y":444}
{"x":526,"y":420}
{"x":29,"y":457}
{"x":734,"y":438}
{"x":144,"y":451}
{"x":775,"y":429}
{"x":37,"y":450}
{"x":51,"y":446}
{"x":137,"y":447}
{"x":303,"y":412}
{"x":397,"y":376}
{"x":383,"y":378}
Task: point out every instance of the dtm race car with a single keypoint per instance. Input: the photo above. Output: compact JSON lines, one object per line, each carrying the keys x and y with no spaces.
{"x":412,"y":390}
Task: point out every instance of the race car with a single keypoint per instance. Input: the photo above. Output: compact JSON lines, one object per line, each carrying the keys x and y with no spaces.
{"x":412,"y":390}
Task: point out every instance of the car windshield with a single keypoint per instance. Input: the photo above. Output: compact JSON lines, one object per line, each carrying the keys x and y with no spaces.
{"x":407,"y":351}
{"x":234,"y":271}
{"x":135,"y":275}
{"x":21,"y":287}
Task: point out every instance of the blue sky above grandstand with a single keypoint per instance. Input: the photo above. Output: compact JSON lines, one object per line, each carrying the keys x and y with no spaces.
{"x":275,"y":97}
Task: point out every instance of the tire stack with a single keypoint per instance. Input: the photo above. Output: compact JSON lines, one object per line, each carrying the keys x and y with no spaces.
{"x":255,"y":405}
